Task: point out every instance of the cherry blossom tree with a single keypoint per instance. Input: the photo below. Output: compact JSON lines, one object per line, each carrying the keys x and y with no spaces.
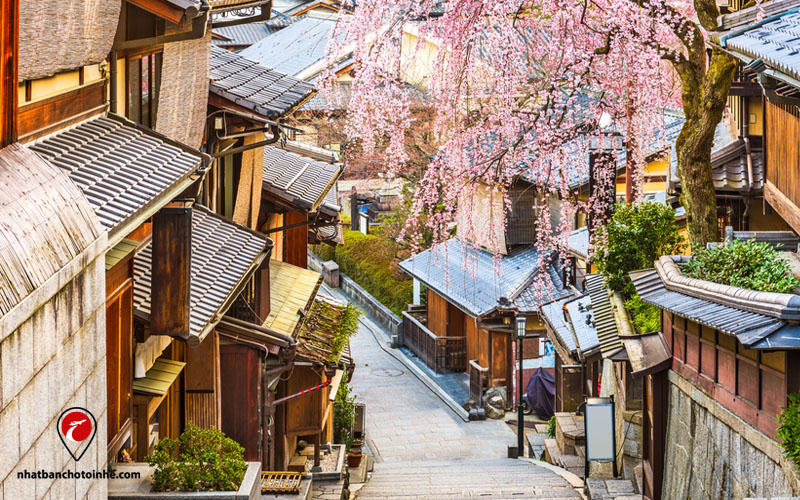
{"x":517,"y":88}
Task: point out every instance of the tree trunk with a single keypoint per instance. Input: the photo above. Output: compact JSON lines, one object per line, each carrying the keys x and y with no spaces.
{"x":704,"y":97}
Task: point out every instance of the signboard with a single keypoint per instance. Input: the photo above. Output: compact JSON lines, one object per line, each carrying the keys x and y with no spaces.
{"x":600,"y":433}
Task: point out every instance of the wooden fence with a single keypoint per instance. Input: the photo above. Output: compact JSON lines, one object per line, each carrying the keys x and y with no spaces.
{"x":441,"y":354}
{"x":478,"y":381}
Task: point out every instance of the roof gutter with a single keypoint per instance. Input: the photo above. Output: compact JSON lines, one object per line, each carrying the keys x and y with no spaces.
{"x":723,"y":41}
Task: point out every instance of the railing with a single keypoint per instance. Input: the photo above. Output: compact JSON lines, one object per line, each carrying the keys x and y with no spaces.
{"x":441,"y":354}
{"x":478,"y":381}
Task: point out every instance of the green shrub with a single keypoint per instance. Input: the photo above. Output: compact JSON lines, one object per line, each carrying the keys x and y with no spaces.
{"x":199,"y":460}
{"x":551,"y":427}
{"x":746,"y":264}
{"x":344,"y":414}
{"x":645,"y":317}
{"x":636,"y":235}
{"x":789,"y":428}
{"x":371,"y":261}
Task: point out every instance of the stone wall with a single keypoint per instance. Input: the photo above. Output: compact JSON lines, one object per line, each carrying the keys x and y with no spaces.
{"x":50,"y":360}
{"x":713,"y":454}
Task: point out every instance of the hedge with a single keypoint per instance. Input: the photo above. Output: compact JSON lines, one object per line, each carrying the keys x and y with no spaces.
{"x":370,"y":261}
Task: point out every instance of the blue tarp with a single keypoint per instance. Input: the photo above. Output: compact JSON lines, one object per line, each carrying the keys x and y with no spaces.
{"x":541,"y":393}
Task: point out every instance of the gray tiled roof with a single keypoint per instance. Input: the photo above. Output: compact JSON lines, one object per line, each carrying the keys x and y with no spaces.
{"x":603,"y":317}
{"x":294,"y":48}
{"x":223,"y":253}
{"x":753,"y":330}
{"x":553,"y":314}
{"x":774,"y":42}
{"x":532,"y":296}
{"x":467,"y":277}
{"x":581,"y":317}
{"x":296,"y":179}
{"x":579,"y":242}
{"x":243,"y":35}
{"x":120,"y":167}
{"x":247,"y":83}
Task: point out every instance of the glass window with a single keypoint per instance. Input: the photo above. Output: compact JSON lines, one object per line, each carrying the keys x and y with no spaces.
{"x":144,"y":83}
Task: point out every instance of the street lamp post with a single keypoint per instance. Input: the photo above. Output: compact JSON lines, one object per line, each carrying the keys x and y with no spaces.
{"x":520,"y":418}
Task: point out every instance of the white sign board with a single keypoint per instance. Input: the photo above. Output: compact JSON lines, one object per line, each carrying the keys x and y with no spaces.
{"x":600,"y":431}
{"x":363,"y":220}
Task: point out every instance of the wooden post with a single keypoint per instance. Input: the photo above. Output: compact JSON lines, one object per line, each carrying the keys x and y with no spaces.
{"x":261,"y":281}
{"x":172,"y":247}
{"x":9,"y":48}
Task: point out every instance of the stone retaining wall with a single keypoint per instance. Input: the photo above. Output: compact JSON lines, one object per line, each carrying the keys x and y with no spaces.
{"x":51,"y":359}
{"x":713,"y":454}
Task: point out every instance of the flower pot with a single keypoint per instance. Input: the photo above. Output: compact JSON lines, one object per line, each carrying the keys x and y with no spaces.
{"x":356,"y":445}
{"x":354,"y":459}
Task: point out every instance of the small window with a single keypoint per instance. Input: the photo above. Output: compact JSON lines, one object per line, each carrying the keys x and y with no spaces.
{"x":144,"y":83}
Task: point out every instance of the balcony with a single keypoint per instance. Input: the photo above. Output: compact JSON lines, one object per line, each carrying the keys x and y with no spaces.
{"x":440,"y":354}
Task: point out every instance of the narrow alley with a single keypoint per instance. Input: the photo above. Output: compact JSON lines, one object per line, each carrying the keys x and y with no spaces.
{"x":422,"y":450}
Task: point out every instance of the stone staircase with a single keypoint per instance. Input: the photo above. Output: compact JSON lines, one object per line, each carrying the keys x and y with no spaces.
{"x":500,"y":478}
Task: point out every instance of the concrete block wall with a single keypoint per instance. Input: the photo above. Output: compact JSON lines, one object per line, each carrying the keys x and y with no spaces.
{"x":50,"y":361}
{"x":712,"y":453}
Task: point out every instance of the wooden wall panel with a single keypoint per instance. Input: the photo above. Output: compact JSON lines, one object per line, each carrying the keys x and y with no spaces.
{"x":306,"y":413}
{"x":44,"y":116}
{"x":483,"y":347}
{"x":783,"y":150}
{"x":201,"y":409}
{"x":240,"y":370}
{"x":437,"y":314}
{"x":499,"y":367}
{"x":471,"y":332}
{"x":455,"y":321}
{"x":295,"y":249}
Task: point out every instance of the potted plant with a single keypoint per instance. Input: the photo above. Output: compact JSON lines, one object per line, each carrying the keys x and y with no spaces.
{"x":344,"y":413}
{"x":200,"y":460}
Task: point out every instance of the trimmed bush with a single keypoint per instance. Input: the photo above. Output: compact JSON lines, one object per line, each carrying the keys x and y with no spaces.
{"x":199,"y":460}
{"x":745,"y":264}
{"x":370,"y":260}
{"x":789,"y":429}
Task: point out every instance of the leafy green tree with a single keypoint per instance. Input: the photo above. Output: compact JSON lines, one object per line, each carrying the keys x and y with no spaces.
{"x":637,"y":235}
{"x":789,"y":429}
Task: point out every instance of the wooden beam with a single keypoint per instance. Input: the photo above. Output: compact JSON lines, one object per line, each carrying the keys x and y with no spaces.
{"x":9,"y":48}
{"x":171,"y":272}
{"x":42,"y":117}
{"x":783,"y":205}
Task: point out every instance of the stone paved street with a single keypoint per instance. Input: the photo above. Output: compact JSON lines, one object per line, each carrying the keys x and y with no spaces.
{"x":423,"y":450}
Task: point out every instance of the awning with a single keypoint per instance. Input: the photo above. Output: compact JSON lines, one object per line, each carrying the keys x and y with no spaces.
{"x":159,"y":378}
{"x":119,"y":252}
{"x":258,"y":88}
{"x":224,"y":257}
{"x":296,"y":180}
{"x":648,"y":353}
{"x":126,"y":171}
{"x":292,"y":291}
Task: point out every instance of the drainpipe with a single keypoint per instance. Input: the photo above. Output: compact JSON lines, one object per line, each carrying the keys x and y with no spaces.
{"x":112,"y":93}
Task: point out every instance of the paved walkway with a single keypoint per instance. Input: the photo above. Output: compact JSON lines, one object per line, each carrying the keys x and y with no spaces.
{"x":422,"y":449}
